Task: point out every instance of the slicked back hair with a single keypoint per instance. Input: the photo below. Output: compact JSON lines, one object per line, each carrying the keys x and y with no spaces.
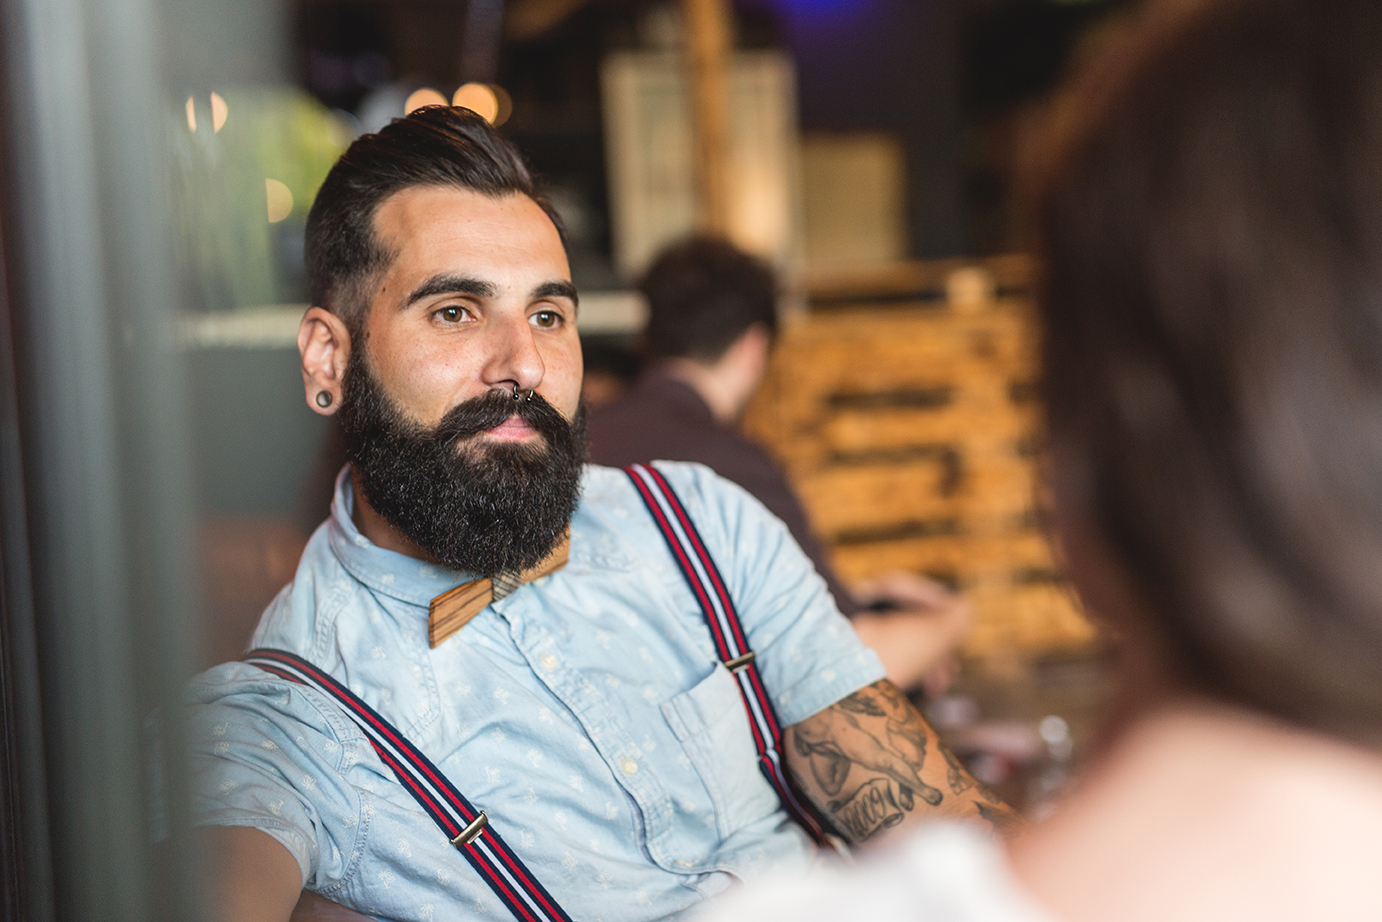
{"x":1210,"y":226}
{"x":702,"y":294}
{"x":433,"y":146}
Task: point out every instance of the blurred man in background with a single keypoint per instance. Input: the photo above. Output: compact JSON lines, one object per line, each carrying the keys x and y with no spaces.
{"x":712,"y":323}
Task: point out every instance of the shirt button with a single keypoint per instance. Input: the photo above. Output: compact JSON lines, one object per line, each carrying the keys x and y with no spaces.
{"x":548,"y":661}
{"x":629,"y":766}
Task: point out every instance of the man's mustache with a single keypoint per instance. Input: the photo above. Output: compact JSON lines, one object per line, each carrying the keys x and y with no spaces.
{"x":494,"y":408}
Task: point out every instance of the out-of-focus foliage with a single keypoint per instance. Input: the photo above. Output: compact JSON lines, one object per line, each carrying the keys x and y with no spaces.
{"x":231,"y":255}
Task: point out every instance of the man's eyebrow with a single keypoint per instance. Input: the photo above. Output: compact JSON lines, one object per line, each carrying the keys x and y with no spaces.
{"x":560,"y":289}
{"x":451,"y":285}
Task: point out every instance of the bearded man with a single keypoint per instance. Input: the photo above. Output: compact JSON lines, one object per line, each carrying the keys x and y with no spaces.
{"x":613,"y":666}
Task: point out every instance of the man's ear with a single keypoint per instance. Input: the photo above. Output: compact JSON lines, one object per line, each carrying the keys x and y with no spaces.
{"x":751,"y":351}
{"x":758,"y":342}
{"x":324,"y":343}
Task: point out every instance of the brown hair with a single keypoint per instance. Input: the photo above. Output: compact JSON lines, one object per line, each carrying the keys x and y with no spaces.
{"x":1210,"y":224}
{"x":433,"y":146}
{"x":702,"y":294}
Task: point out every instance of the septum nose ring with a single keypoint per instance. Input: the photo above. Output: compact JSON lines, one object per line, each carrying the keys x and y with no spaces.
{"x":527,"y":399}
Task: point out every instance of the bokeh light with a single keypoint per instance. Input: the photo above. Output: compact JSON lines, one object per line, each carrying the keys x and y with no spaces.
{"x":505,"y":103}
{"x":191,"y":114}
{"x":478,"y":98}
{"x":423,"y":97}
{"x":280,"y":200}
{"x":219,"y":111}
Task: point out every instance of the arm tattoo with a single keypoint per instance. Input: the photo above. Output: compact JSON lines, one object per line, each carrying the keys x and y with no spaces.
{"x":955,"y":773}
{"x":859,"y":705}
{"x":997,"y":815}
{"x":870,"y":809}
{"x":861,"y":760}
{"x":835,"y":741}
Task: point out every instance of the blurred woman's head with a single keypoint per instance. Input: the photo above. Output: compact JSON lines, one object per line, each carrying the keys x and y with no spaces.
{"x":1210,"y":222}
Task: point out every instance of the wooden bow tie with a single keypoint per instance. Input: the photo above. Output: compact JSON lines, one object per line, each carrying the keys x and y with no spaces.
{"x":452,"y":610}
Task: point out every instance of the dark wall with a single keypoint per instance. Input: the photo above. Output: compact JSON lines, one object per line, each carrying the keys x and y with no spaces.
{"x":891,"y":66}
{"x":257,"y":443}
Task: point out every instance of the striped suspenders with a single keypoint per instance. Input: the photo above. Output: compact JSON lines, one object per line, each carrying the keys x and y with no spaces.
{"x":730,"y":643}
{"x":468,"y":829}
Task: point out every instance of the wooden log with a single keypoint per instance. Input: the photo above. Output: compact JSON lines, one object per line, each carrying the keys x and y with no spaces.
{"x":864,"y":284}
{"x":853,"y":432}
{"x":864,"y":498}
{"x":912,"y":333}
{"x":965,"y":558}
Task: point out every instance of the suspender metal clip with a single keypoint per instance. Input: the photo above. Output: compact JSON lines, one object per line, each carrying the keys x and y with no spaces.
{"x":469,"y":833}
{"x":739,"y":662}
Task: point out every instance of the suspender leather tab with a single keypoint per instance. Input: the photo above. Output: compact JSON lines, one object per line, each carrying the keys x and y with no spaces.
{"x":469,"y":833}
{"x":740,"y":662}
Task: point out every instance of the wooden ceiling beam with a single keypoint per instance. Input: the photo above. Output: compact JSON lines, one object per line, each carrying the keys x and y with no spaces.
{"x":708,"y":47}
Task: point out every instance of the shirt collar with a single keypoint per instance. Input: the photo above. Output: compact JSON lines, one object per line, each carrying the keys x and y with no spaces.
{"x":389,"y":572}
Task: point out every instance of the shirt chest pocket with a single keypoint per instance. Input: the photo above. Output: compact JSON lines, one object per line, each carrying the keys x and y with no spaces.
{"x":713,"y":727}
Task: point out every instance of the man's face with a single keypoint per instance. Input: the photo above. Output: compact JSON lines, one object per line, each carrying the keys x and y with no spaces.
{"x":476,"y":304}
{"x":478,"y":297}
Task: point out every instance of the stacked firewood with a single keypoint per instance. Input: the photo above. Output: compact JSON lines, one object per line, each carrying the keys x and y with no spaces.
{"x":903,"y":405}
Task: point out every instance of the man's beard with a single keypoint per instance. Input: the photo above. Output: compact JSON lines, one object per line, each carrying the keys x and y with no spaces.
{"x":473,"y":506}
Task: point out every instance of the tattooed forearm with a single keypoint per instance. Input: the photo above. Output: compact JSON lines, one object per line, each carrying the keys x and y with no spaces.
{"x":837,"y":739}
{"x":863,"y":762}
{"x":866,"y":811}
{"x":997,"y":815}
{"x":856,"y":704}
{"x":829,"y":767}
{"x":955,"y":773}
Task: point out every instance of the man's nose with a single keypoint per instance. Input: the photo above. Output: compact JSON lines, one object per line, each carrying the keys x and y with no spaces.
{"x":513,"y":358}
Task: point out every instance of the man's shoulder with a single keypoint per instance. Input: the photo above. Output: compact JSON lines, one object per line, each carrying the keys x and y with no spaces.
{"x":694,"y":483}
{"x":718,"y":507}
{"x":239,"y":693}
{"x":304,"y":611}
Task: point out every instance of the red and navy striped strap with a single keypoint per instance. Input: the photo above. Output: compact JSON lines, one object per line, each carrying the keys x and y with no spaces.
{"x":728,"y":633}
{"x":468,"y":829}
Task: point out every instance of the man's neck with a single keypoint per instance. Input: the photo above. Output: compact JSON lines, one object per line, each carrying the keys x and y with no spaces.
{"x":377,"y":529}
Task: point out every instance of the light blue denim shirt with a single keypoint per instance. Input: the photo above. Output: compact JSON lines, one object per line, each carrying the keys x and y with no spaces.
{"x":586,"y":713}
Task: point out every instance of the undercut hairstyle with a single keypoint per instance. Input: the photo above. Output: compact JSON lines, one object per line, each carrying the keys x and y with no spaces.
{"x":1210,"y":230}
{"x":702,"y":294}
{"x":433,"y":146}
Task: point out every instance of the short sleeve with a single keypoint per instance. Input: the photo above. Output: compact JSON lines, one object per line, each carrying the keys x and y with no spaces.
{"x":273,"y":755}
{"x":807,"y":652}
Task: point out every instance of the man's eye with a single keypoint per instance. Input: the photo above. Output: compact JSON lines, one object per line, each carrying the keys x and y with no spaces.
{"x":545,"y":319}
{"x":451,"y":314}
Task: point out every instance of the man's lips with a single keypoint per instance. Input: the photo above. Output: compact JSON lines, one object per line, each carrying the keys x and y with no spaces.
{"x":513,"y":429}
